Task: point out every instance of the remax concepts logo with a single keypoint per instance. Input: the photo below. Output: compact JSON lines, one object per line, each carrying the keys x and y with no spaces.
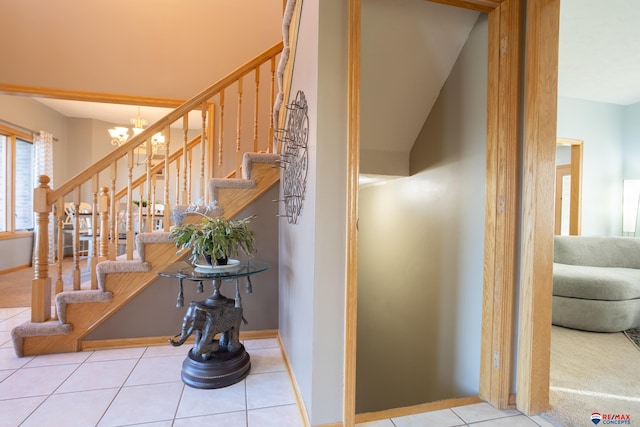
{"x":597,"y":417}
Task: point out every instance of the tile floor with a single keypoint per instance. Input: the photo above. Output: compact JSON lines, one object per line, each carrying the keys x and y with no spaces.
{"x":142,"y":386}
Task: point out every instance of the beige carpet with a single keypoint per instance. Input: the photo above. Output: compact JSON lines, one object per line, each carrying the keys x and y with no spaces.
{"x":592,"y":372}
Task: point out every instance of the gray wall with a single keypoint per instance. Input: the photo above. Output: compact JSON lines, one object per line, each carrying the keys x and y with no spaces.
{"x":420,"y":250}
{"x":601,"y":127}
{"x":33,"y":115}
{"x":153,"y":311}
{"x":312,"y":252}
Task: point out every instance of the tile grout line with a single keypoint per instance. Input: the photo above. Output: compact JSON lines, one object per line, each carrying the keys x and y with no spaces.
{"x":175,"y":413}
{"x":246,"y":401}
{"x":48,"y":396}
{"x":115,"y":396}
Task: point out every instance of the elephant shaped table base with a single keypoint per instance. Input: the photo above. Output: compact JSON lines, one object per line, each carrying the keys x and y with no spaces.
{"x":217,"y":358}
{"x":213,"y":363}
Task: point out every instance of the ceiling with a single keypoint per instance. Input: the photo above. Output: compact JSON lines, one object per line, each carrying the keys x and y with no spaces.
{"x":118,"y":114}
{"x":598,"y":57}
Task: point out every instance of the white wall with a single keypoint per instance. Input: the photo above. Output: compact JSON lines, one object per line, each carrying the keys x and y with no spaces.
{"x":312,"y":252}
{"x":600,"y":126}
{"x":420,"y":250}
{"x":631,"y":165}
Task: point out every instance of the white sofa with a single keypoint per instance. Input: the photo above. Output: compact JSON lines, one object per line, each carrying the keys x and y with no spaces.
{"x":596,"y":283}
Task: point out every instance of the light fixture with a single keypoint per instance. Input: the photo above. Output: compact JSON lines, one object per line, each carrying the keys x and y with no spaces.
{"x":157,"y":142}
{"x":120,"y":135}
{"x":138,"y":123}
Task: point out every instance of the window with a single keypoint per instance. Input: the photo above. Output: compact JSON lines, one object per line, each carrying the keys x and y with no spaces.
{"x":16,"y":181}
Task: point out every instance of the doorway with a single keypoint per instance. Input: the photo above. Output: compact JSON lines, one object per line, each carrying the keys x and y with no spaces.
{"x":568,"y":190}
{"x":506,"y":24}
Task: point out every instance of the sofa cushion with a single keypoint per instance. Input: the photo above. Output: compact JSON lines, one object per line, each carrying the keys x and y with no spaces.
{"x":596,"y":283}
{"x":596,"y":315}
{"x":597,"y":251}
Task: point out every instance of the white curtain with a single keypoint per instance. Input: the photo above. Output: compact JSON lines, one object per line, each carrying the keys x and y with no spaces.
{"x":43,"y":165}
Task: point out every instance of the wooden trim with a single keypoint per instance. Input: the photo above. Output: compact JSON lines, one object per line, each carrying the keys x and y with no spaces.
{"x":74,"y":95}
{"x":502,"y":204}
{"x":91,"y":345}
{"x":575,"y":214}
{"x":259,"y":335}
{"x":10,"y":235}
{"x":575,"y":218}
{"x":537,"y":222}
{"x":490,"y":207}
{"x":561,"y":170}
{"x":416,"y":409}
{"x":296,"y":390}
{"x":8,"y":131}
{"x":485,"y":6}
{"x":353,"y":170}
{"x":12,"y":269}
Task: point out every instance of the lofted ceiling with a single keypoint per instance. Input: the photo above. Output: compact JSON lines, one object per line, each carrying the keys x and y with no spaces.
{"x":598,"y":60}
{"x":408,"y":50}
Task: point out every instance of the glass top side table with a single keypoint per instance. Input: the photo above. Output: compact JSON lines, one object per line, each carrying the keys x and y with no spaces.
{"x":217,"y":359}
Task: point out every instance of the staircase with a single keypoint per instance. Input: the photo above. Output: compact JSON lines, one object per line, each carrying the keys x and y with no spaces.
{"x":239,"y":173}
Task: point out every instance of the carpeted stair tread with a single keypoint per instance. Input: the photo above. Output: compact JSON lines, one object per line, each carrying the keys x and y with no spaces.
{"x":78,"y":297}
{"x":31,"y":329}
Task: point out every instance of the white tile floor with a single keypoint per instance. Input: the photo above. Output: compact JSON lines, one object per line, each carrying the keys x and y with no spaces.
{"x":476,"y":415}
{"x":142,"y":386}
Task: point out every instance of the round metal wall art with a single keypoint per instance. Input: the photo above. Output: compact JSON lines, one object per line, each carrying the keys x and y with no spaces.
{"x":294,"y":157}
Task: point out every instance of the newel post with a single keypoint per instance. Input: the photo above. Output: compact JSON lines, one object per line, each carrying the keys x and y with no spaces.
{"x":41,"y":283}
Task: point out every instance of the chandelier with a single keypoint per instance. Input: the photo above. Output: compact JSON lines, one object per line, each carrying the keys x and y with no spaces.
{"x":120,"y":134}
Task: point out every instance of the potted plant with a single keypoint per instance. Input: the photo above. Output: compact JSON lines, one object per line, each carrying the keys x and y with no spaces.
{"x":216,"y":239}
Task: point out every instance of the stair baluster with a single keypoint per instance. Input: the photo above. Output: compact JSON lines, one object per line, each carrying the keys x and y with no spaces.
{"x":203,"y":153}
{"x":113,"y":208}
{"x":238,"y":163}
{"x":167,"y":177}
{"x":221,"y":130}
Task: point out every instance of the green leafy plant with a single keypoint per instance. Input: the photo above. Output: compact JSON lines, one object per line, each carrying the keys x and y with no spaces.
{"x":216,"y":237}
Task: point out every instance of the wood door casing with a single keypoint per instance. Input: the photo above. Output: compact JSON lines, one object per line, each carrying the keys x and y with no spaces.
{"x":575,"y":209}
{"x":561,"y":172}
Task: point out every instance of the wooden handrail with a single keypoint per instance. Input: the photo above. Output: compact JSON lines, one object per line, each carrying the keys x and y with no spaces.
{"x":192,"y":104}
{"x":104,"y":215}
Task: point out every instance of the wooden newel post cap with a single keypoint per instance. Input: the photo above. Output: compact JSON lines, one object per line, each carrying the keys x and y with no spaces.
{"x":44,"y":181}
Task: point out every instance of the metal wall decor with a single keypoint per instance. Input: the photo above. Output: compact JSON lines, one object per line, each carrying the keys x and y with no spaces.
{"x":293,"y":157}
